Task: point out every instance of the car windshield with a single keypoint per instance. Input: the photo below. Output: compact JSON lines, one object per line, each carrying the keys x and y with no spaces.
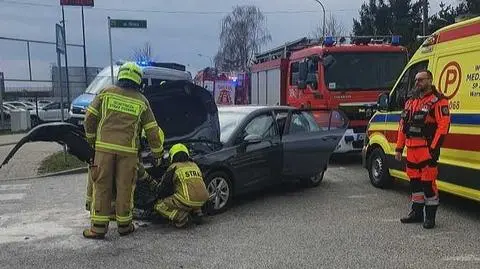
{"x":228,"y":121}
{"x":98,"y":84}
{"x":363,"y":70}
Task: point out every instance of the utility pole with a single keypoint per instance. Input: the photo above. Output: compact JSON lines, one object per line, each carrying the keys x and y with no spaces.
{"x":425,"y":17}
{"x":66,"y":58}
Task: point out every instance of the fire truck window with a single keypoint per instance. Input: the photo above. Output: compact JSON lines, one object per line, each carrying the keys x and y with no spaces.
{"x":294,"y":73}
{"x":312,"y":72}
{"x":403,"y":89}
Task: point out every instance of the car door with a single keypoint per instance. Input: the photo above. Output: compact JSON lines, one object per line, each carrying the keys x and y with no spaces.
{"x":254,"y":161}
{"x":309,"y":138}
{"x":51,"y":111}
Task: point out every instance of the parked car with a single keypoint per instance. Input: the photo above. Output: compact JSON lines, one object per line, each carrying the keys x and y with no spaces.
{"x":20,"y":104}
{"x":238,"y":148}
{"x":49,"y":113}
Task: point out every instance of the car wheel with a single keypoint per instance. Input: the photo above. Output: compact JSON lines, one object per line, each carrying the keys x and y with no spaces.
{"x":314,"y":181}
{"x":219,"y":186}
{"x":378,"y":169}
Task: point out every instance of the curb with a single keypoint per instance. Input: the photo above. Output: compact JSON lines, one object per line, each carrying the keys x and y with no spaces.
{"x":61,"y":173}
{"x":8,"y":144}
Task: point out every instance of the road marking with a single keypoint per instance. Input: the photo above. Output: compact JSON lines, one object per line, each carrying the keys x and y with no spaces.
{"x":11,"y":196}
{"x":465,"y":258}
{"x":14,"y":187}
{"x":361,"y":196}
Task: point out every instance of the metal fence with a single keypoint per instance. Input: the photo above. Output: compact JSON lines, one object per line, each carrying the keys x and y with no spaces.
{"x":24,"y":82}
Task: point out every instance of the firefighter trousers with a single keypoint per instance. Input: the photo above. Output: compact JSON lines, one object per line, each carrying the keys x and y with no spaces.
{"x":111,"y":170}
{"x":88,"y":198}
{"x":422,"y":169}
{"x":171,"y":208}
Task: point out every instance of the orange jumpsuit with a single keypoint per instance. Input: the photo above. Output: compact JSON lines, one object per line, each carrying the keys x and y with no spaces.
{"x":424,"y":123}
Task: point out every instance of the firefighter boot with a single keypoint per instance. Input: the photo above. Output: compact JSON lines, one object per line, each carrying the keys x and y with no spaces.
{"x":415,"y":215}
{"x":197,"y":217}
{"x":126,"y":229}
{"x":183,"y":223}
{"x":430,"y":213}
{"x":89,"y":234}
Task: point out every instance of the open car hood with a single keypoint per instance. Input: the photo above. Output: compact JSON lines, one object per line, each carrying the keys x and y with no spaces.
{"x":185,"y":112}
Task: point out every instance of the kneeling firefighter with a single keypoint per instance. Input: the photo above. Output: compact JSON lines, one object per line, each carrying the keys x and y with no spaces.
{"x":112,"y":126}
{"x":183,"y":180}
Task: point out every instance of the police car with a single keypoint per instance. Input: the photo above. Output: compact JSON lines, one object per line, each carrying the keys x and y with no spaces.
{"x":154,"y":73}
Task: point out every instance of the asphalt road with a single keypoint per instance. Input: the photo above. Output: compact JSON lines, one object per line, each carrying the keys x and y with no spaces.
{"x":343,"y":223}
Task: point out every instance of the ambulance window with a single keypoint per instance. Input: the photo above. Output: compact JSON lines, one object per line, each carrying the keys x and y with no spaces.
{"x":406,"y":83}
{"x":294,"y":72}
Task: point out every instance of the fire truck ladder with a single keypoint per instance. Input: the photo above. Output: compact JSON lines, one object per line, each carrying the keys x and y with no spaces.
{"x":284,"y":50}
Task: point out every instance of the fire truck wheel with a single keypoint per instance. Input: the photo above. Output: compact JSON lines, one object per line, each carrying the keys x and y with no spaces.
{"x":378,"y":169}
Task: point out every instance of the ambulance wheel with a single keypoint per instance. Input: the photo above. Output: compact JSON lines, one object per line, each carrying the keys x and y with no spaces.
{"x":378,"y":169}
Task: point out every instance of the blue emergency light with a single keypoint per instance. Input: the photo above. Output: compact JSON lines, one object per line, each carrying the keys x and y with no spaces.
{"x":145,"y":63}
{"x":329,"y":41}
{"x":395,"y":40}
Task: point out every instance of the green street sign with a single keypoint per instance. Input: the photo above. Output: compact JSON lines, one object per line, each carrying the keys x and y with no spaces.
{"x":128,"y":23}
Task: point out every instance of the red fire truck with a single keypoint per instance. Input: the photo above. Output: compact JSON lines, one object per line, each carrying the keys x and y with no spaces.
{"x":346,"y":73}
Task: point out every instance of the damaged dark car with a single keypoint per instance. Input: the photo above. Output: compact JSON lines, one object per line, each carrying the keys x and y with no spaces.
{"x":239,"y":149}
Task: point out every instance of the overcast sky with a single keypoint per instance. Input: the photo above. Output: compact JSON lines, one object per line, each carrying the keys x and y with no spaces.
{"x":177,"y":29}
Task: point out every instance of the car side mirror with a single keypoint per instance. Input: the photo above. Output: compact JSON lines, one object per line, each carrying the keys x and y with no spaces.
{"x":252,"y":139}
{"x":383,"y":101}
{"x":328,"y":61}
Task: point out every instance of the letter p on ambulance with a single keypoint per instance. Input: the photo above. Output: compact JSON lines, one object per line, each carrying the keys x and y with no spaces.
{"x":450,"y":79}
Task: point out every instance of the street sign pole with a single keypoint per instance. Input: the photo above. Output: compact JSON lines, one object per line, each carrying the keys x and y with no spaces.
{"x":121,"y":24}
{"x":110,"y":43}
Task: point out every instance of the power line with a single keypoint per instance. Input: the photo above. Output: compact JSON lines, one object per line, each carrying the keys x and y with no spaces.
{"x":176,"y":11}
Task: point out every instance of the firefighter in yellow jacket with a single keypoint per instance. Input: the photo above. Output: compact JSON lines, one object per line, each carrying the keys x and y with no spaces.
{"x":141,"y":173}
{"x":183,"y":182}
{"x":112,"y":126}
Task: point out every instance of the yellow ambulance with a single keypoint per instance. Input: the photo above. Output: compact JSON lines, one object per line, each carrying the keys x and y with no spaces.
{"x":452,"y":54}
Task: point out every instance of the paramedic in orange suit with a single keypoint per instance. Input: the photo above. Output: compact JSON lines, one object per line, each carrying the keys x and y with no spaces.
{"x":424,"y":123}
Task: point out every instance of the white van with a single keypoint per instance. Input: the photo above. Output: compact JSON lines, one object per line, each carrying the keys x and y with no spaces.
{"x":153,"y":74}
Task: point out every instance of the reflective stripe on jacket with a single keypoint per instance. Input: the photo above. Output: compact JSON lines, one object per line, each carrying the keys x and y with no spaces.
{"x":115,"y":118}
{"x":188,"y":184}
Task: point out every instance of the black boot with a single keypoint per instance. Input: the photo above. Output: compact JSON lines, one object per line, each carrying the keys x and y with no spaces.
{"x":430,"y":213}
{"x":415,"y":215}
{"x":197,"y":217}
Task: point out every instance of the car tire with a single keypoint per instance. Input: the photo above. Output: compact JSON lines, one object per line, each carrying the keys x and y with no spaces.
{"x":378,"y":169}
{"x":219,"y":184}
{"x":314,"y":181}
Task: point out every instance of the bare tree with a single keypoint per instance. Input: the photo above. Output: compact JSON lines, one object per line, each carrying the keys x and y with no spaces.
{"x":333,"y":27}
{"x":143,"y":54}
{"x":242,"y":35}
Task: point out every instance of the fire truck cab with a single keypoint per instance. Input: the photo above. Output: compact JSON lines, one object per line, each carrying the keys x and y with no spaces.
{"x":334,"y":74}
